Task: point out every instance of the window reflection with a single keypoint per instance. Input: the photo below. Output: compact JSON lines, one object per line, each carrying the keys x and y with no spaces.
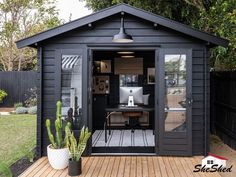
{"x":71,"y":83}
{"x":175,"y":92}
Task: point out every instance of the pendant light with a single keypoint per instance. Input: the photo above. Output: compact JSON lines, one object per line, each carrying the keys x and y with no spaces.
{"x":122,"y":37}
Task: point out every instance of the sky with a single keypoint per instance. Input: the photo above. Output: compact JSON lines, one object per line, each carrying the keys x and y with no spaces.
{"x":75,"y":7}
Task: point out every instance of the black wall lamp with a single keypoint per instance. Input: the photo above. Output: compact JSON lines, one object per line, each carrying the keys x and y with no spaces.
{"x":122,"y":37}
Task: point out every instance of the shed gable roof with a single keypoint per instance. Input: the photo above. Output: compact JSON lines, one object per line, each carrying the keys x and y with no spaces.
{"x":185,"y":29}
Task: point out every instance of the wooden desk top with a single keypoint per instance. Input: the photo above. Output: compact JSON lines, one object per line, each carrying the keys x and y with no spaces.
{"x":120,"y":108}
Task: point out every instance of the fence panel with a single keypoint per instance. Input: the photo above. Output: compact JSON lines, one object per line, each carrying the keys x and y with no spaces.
{"x":223,"y":106}
{"x":17,"y":84}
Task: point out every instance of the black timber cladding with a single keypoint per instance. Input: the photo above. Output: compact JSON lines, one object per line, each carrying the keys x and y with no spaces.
{"x":106,"y":23}
{"x":162,"y":21}
{"x":139,"y":28}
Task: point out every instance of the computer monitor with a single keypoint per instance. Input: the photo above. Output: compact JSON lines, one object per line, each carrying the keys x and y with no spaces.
{"x":136,"y":92}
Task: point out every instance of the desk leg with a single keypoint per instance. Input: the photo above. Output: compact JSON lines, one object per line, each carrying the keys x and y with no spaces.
{"x":109,"y":119}
{"x":105,"y":129}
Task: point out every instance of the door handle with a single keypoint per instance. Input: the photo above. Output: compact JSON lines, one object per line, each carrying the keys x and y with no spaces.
{"x":190,"y":101}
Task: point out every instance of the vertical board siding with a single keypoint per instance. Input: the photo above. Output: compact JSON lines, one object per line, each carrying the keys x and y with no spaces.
{"x":142,"y":32}
{"x":223,"y":106}
{"x":17,"y":84}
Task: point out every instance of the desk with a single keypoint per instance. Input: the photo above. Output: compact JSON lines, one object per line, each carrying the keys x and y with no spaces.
{"x":120,"y":108}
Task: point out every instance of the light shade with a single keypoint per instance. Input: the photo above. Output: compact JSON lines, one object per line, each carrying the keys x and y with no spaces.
{"x":125,"y":52}
{"x":127,"y":56}
{"x":122,"y":37}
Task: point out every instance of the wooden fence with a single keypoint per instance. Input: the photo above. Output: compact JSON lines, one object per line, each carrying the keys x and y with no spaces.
{"x":17,"y":84}
{"x":223,"y":106}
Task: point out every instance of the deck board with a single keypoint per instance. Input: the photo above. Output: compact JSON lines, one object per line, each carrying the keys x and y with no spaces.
{"x":122,"y":166}
{"x":109,"y":167}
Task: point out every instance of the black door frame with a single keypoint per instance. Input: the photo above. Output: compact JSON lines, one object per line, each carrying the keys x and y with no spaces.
{"x":58,"y":59}
{"x":166,"y":137}
{"x":115,"y":47}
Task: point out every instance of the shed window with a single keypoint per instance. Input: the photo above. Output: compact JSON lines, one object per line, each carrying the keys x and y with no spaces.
{"x":71,"y":82}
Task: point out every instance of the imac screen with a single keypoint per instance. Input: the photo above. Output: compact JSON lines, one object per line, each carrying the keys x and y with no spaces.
{"x":136,"y":92}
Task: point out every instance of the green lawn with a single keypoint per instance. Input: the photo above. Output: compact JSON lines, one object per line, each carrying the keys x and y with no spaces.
{"x":17,"y":137}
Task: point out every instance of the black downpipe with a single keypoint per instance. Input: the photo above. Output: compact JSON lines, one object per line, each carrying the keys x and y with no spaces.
{"x":39,"y":103}
{"x":205,"y":103}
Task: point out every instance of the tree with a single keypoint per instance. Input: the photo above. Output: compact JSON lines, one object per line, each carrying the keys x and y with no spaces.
{"x":176,"y":9}
{"x":20,"y":19}
{"x":219,"y":18}
{"x":213,"y":16}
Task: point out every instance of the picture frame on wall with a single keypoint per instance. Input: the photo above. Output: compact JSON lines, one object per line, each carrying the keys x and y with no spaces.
{"x":105,"y":66}
{"x":151,"y":76}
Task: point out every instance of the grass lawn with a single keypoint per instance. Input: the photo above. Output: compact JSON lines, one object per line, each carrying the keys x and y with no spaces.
{"x":17,"y":137}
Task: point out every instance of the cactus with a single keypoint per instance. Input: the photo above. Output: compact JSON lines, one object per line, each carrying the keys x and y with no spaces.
{"x":77,"y":148}
{"x":59,"y":142}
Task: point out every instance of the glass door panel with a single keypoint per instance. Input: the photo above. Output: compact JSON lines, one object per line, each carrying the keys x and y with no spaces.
{"x":174,"y":88}
{"x":71,"y":83}
{"x":175,"y":92}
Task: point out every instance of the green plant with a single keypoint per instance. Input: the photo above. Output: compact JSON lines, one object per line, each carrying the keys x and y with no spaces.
{"x":3,"y":94}
{"x":21,"y":110}
{"x":5,"y":171}
{"x":59,"y":142}
{"x":31,"y":97}
{"x":32,"y":110}
{"x":30,"y":155}
{"x":77,"y":148}
{"x":19,"y":104}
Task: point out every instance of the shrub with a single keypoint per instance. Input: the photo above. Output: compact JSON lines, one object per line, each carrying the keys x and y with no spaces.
{"x":32,"y":110}
{"x":3,"y":94}
{"x":31,"y":97}
{"x":21,"y":110}
{"x":16,"y":105}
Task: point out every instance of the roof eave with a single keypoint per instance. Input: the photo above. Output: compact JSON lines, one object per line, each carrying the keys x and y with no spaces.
{"x":127,"y":9}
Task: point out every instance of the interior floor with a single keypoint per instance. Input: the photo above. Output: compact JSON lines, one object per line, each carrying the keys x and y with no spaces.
{"x":124,"y":138}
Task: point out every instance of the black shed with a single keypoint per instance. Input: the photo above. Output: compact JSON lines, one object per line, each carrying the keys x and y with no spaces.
{"x":162,"y":71}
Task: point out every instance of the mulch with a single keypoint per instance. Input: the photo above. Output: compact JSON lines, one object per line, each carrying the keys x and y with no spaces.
{"x":6,"y":109}
{"x":20,"y":166}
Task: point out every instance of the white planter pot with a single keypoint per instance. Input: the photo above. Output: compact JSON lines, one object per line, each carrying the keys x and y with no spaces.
{"x":58,"y":158}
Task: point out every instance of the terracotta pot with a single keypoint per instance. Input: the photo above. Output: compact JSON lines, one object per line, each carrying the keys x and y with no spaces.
{"x":74,"y":168}
{"x":58,"y":158}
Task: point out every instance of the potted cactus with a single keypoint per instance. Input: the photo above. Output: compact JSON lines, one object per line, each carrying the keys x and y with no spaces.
{"x":76,"y":149}
{"x":58,"y":151}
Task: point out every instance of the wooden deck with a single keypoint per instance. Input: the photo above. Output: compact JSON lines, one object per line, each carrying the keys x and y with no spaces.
{"x":125,"y":166}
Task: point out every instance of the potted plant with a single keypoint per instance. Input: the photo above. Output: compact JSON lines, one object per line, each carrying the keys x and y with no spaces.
{"x":58,"y":151}
{"x":76,"y":149}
